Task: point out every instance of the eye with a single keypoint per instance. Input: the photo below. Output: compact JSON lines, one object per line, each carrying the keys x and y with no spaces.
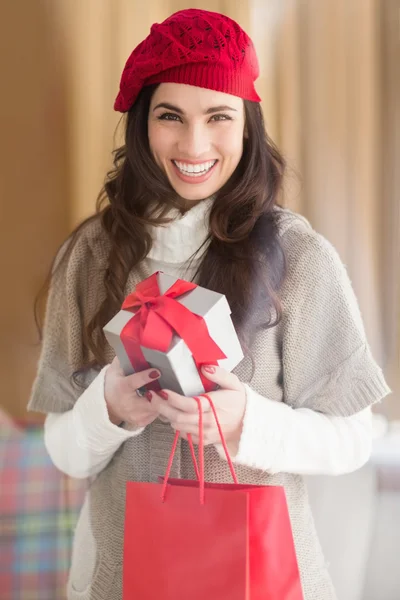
{"x":221,"y":117}
{"x":169,"y":117}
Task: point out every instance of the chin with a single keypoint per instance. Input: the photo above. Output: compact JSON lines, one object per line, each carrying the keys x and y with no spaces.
{"x":193,"y":192}
{"x":196,"y":197}
{"x":192,"y":195}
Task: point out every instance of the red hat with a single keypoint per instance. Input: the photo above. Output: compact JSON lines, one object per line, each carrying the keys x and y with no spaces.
{"x":196,"y":47}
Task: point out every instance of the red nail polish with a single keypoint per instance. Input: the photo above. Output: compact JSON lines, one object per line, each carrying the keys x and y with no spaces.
{"x":149,"y":395}
{"x":154,"y":374}
{"x":209,"y":369}
{"x":163,"y":395}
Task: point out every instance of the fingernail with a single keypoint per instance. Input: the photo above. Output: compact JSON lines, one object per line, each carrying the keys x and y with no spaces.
{"x":163,"y":395}
{"x":154,"y":374}
{"x":149,"y":395}
{"x":209,"y":369}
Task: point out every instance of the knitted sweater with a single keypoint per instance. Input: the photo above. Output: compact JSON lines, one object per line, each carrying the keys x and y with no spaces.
{"x":274,"y":437}
{"x":317,"y":358}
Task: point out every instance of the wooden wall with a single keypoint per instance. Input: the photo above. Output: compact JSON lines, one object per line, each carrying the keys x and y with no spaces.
{"x":34,"y":193}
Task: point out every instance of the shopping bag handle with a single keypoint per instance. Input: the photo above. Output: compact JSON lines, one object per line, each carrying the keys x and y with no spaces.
{"x":199,"y":468}
{"x":194,"y":460}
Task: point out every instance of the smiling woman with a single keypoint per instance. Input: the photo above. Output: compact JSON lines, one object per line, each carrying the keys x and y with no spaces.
{"x":194,"y":192}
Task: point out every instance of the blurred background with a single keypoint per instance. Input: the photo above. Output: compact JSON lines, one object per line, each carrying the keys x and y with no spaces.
{"x":330,"y":84}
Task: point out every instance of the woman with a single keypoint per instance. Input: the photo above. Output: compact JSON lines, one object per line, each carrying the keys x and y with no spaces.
{"x":194,"y":193}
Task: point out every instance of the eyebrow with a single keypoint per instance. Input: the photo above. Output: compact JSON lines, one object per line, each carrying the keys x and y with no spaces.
{"x":209,"y":111}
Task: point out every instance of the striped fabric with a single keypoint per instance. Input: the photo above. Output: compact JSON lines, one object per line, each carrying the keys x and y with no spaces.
{"x":39,"y":507}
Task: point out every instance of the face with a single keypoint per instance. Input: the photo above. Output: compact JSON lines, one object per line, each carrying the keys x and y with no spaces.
{"x":196,"y":137}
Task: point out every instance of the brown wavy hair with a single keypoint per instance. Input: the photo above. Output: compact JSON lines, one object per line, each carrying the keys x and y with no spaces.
{"x":244,"y":260}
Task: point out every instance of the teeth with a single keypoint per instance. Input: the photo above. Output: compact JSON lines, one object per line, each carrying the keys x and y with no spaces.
{"x":195,"y":170}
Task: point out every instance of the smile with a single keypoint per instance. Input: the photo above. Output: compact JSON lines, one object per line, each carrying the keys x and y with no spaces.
{"x":191,"y":170}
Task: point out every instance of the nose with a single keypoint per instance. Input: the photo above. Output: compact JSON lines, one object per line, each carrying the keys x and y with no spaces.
{"x":194,"y":141}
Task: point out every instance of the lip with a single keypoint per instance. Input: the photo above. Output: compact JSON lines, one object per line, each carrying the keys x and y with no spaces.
{"x":194,"y":180}
{"x":194,"y":162}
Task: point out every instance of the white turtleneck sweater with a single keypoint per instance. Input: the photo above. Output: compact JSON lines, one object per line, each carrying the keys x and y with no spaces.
{"x":275,"y":438}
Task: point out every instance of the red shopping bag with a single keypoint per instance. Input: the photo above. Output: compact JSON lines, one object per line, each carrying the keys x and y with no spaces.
{"x":189,"y":540}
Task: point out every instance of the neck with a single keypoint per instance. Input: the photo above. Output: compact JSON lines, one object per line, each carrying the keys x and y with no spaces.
{"x":186,"y":205}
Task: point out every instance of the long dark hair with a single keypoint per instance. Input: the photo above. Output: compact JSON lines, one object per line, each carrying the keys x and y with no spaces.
{"x":244,"y":260}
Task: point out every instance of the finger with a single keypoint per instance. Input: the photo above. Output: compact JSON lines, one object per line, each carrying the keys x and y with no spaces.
{"x":184,"y":403}
{"x":185,"y":422}
{"x":186,"y":429}
{"x":164,"y":409}
{"x":142,"y":378}
{"x":222,"y":377}
{"x":195,"y":438}
{"x":190,"y":423}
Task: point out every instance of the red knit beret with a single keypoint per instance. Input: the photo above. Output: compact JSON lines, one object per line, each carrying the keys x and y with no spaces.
{"x":196,"y":47}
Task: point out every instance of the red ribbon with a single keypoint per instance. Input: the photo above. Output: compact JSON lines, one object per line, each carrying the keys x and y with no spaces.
{"x":158,"y":317}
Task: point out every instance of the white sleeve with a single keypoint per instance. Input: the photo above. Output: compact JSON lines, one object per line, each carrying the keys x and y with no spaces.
{"x":82,"y":441}
{"x":277,"y":438}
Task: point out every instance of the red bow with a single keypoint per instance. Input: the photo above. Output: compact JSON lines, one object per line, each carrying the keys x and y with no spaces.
{"x":158,"y":317}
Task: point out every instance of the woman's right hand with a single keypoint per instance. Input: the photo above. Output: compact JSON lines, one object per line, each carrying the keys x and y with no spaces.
{"x":123,"y":402}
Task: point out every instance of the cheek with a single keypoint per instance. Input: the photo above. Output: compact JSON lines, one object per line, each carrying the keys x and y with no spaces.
{"x":160,"y":141}
{"x":230,"y":144}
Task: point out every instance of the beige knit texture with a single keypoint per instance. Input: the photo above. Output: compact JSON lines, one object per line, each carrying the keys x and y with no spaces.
{"x":317,"y":357}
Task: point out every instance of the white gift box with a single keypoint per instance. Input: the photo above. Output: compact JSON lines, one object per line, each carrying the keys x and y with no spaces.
{"x":177,"y":366}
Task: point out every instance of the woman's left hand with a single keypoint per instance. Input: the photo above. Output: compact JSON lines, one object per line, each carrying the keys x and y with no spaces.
{"x":183,"y":412}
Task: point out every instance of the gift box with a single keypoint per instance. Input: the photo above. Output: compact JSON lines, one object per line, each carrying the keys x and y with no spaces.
{"x":175,"y":326}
